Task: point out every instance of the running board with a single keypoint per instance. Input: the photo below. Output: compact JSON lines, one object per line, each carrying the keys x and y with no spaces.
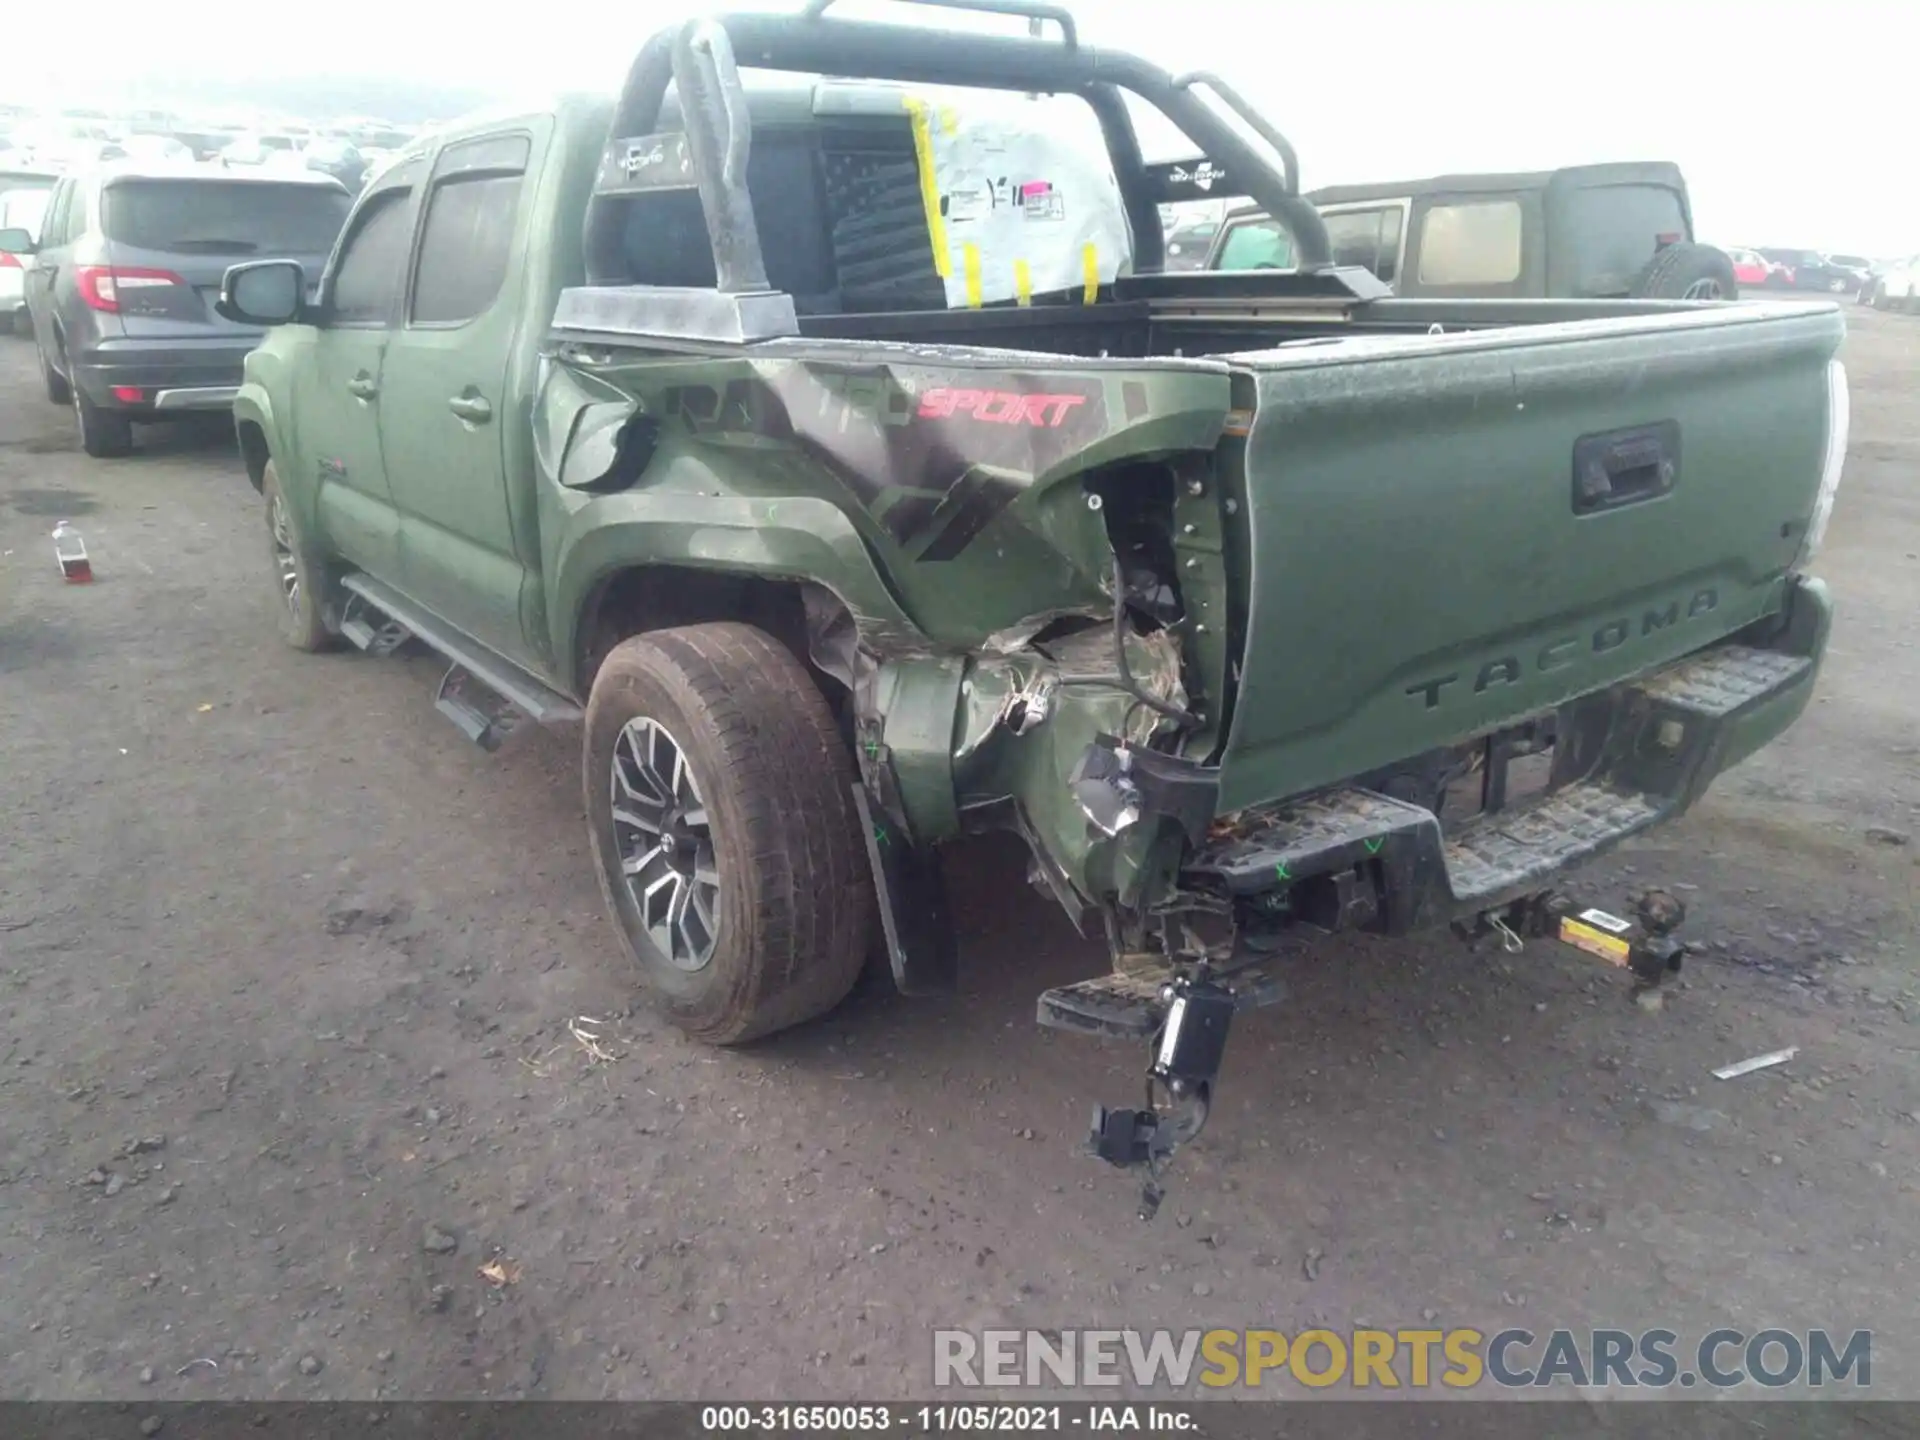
{"x":486,"y":719}
{"x":371,"y":631}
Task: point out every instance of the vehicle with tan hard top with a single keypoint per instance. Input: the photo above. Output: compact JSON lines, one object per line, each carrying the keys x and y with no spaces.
{"x":841,"y":457}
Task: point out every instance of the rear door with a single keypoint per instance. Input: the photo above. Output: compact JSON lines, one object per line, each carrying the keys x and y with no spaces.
{"x":449,"y":404}
{"x":46,"y":264}
{"x":76,"y":318}
{"x":172,"y":238}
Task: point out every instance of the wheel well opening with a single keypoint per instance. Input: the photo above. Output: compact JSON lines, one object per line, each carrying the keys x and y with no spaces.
{"x":661,"y":597}
{"x":253,"y":449}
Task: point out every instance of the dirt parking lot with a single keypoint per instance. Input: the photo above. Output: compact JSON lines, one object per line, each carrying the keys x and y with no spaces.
{"x":292,"y":981}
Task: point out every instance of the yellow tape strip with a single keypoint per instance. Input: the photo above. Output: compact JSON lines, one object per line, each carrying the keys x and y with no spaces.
{"x":929,"y":185}
{"x":1090,"y":261}
{"x":949,"y":120}
{"x":971,"y":255}
{"x":1022,"y":282}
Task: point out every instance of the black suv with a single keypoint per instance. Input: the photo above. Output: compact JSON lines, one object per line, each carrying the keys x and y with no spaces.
{"x":127,"y":268}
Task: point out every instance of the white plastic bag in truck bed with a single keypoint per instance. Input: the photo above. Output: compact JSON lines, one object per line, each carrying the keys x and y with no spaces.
{"x":1016,"y":207}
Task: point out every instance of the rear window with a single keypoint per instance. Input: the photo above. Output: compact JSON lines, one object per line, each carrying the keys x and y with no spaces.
{"x":1256,"y":245}
{"x":225,"y":217}
{"x":1367,"y":238}
{"x":1473,"y":243}
{"x":1610,"y":232}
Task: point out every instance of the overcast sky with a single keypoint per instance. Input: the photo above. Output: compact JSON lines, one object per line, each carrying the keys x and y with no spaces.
{"x":1795,"y":124}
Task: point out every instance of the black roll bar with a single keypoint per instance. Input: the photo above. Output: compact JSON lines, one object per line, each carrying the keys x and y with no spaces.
{"x":700,"y":58}
{"x":713,"y":107}
{"x":1022,"y":9}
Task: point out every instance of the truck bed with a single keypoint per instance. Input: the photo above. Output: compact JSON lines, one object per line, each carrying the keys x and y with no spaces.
{"x":1439,"y":520}
{"x":1190,"y":315}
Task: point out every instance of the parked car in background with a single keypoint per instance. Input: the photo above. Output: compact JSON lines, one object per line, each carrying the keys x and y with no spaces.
{"x":22,"y":174}
{"x":1857,"y":270}
{"x":19,"y":210}
{"x":205,"y":144}
{"x":1810,"y":270}
{"x":128,"y":265}
{"x":1750,"y":268}
{"x":338,"y":157}
{"x":254,"y":147}
{"x":153,"y":149}
{"x":1586,"y":231}
{"x":53,"y":138}
{"x":376,"y":160}
{"x":1899,"y":286}
{"x":1189,"y":243}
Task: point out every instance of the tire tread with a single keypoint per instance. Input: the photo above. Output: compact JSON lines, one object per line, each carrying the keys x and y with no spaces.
{"x":787,"y":784}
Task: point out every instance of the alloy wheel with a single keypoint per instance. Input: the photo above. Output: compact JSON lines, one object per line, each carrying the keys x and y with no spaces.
{"x":663,"y":836}
{"x":283,"y":561}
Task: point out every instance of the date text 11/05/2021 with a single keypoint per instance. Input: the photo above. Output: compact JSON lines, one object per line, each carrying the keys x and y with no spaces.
{"x":917,"y":1420}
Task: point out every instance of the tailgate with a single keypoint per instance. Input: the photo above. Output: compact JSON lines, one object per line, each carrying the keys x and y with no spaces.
{"x":1445,"y":534}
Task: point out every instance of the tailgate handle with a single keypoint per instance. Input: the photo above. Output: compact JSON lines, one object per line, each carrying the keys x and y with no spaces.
{"x":1623,"y":467}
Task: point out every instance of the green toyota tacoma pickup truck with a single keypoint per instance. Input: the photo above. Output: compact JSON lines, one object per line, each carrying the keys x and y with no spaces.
{"x":1259,"y":605}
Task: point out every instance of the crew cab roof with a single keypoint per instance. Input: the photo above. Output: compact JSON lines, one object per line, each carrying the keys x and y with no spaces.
{"x":1629,"y":172}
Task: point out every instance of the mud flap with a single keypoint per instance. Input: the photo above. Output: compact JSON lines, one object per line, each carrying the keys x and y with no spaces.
{"x":912,"y":894}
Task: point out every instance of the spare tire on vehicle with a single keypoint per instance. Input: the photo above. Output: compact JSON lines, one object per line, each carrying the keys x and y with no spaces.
{"x":1688,"y":272}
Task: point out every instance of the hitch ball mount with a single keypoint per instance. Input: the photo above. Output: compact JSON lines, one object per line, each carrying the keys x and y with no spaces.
{"x":1187,"y":1053}
{"x":1192,"y":1040}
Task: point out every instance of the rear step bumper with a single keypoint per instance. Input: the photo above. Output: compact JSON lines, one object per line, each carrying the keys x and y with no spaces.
{"x":1625,"y":760}
{"x":1351,"y":858}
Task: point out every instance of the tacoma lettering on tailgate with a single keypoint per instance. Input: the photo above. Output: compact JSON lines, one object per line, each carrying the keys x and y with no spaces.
{"x":1558,"y":654}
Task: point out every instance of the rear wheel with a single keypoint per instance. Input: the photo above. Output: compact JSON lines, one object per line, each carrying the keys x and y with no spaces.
{"x":104,"y":434}
{"x":719,"y":804}
{"x":1688,"y":272}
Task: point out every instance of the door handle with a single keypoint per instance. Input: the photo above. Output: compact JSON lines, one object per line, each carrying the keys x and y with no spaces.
{"x":473,"y":409}
{"x":362,"y":386}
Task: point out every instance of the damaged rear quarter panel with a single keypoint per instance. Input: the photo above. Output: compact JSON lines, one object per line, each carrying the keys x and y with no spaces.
{"x":953,"y":475}
{"x":937,"y":496}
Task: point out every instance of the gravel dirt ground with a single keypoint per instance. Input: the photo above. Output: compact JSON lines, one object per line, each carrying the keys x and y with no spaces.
{"x":291,"y":1047}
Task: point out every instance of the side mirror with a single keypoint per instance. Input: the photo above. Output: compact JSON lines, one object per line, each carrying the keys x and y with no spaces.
{"x":15,"y":241}
{"x":263,"y":292}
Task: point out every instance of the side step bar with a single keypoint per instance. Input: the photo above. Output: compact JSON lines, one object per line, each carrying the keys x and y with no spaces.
{"x":484,"y":694}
